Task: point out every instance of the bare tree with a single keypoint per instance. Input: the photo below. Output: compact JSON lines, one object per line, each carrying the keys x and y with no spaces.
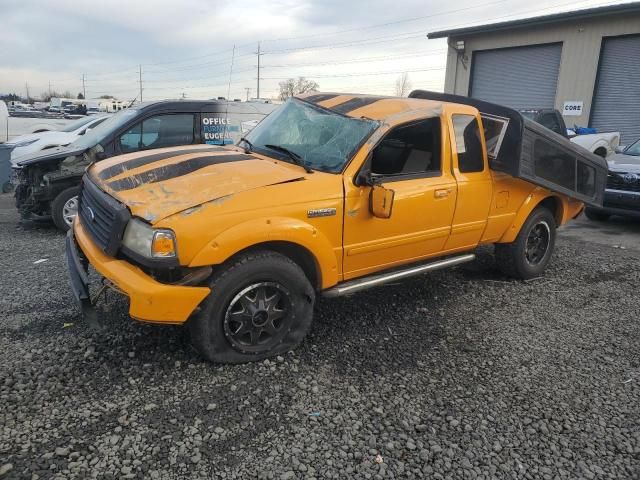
{"x":403,"y":85}
{"x":47,"y":96}
{"x":292,"y":86}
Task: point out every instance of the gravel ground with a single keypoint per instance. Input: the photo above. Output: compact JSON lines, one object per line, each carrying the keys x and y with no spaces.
{"x":459,"y":374}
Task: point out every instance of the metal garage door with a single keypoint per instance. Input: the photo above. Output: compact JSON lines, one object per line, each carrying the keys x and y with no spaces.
{"x":616,"y":105}
{"x":521,"y":77}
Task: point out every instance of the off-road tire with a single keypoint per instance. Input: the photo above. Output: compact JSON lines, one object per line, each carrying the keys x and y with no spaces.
{"x":512,"y":257}
{"x":209,"y":328}
{"x":58,"y":204}
{"x":595,"y":215}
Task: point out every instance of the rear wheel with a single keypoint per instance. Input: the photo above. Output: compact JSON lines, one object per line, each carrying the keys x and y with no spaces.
{"x":64,"y":208}
{"x":595,"y":215}
{"x":260,"y":305}
{"x":528,"y":256}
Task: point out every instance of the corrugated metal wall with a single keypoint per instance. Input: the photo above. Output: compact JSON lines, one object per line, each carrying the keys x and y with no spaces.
{"x":617,"y":99}
{"x":521,"y":77}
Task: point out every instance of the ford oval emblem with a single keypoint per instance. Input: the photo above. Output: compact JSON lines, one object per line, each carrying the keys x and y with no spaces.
{"x":629,"y":177}
{"x":92,"y":216}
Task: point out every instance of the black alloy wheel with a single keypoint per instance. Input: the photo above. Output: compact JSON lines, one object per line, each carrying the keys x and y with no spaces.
{"x":537,"y":243}
{"x":258,"y":317}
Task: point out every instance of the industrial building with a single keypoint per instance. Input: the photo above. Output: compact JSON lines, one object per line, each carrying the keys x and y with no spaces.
{"x":585,"y":63}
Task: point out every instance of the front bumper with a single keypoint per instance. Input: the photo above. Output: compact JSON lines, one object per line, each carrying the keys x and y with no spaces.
{"x":150,"y":300}
{"x":620,"y":202}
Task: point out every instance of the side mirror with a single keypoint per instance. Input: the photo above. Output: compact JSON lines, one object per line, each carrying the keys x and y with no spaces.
{"x":621,"y":148}
{"x":381,"y":201}
{"x":364,"y":179}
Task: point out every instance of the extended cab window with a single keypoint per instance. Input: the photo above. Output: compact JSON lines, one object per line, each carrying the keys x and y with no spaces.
{"x":159,"y":131}
{"x":468,"y":143}
{"x":412,"y":149}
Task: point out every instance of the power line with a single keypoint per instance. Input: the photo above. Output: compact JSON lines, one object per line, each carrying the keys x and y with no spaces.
{"x":362,"y":74}
{"x":379,"y":25}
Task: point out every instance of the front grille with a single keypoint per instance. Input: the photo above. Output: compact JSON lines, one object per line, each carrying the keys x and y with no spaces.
{"x":102,"y":216}
{"x":623,"y":181}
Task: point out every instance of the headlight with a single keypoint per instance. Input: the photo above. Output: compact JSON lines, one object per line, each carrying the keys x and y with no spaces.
{"x":149,"y":242}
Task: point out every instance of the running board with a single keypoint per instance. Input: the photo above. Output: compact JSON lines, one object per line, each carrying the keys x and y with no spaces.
{"x":359,"y":284}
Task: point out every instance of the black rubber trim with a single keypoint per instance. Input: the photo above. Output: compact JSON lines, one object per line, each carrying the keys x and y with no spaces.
{"x":122,"y":167}
{"x":354,"y":104}
{"x":320,"y":97}
{"x":169,"y":262}
{"x":174,"y":170}
{"x":78,"y":277}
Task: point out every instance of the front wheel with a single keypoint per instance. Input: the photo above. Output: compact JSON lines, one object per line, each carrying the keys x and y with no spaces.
{"x":260,"y":305}
{"x":528,"y":256}
{"x":64,"y":208}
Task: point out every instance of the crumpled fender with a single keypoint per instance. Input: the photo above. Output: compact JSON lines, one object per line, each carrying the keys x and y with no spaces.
{"x":272,"y":229}
{"x":530,"y":203}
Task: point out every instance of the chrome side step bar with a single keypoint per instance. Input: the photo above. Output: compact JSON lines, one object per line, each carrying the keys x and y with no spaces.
{"x":359,"y":284}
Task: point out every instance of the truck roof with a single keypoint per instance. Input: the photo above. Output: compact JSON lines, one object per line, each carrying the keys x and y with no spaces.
{"x":376,"y":107}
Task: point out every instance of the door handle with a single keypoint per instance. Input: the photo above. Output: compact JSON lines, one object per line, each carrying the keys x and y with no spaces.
{"x":442,"y":192}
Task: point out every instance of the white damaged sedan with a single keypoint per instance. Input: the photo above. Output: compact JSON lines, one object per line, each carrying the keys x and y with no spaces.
{"x":34,"y":142}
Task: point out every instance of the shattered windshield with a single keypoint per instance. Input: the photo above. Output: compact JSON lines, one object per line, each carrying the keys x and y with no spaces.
{"x":98,"y":134}
{"x":324,"y":140}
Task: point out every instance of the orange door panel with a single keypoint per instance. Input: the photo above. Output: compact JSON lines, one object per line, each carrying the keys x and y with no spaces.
{"x":475,"y":187}
{"x":419,"y":225}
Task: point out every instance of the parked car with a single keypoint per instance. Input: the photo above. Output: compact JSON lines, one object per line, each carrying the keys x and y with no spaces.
{"x":34,"y":142}
{"x":602,"y":144}
{"x":47,"y":183}
{"x":331,"y":194}
{"x":622,"y":195}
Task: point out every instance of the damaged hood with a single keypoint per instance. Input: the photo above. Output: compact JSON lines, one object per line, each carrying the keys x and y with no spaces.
{"x":157,"y":185}
{"x":56,"y":153}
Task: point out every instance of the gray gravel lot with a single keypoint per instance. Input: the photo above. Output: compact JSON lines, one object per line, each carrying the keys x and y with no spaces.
{"x":459,"y":374}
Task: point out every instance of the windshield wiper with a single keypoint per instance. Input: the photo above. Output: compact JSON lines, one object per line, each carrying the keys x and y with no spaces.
{"x":249,"y":144}
{"x":297,"y":159}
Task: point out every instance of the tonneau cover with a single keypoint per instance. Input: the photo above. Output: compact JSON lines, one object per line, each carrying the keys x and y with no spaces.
{"x":534,"y":153}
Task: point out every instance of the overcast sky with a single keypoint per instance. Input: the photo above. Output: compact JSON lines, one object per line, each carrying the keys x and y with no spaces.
{"x":186,"y":47}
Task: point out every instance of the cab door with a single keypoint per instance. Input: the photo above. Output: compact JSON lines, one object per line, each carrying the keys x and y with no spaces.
{"x":475,"y":186}
{"x":411,"y":161}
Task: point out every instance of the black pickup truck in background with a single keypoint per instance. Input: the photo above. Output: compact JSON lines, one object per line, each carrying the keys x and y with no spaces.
{"x":47,"y":182}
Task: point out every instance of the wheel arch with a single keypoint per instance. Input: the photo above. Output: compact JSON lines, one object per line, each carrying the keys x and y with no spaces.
{"x":538,"y":198}
{"x":297,"y":253}
{"x":297,"y":240}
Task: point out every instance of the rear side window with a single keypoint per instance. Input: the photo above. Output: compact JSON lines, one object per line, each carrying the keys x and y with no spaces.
{"x":468,"y":143}
{"x":159,"y":131}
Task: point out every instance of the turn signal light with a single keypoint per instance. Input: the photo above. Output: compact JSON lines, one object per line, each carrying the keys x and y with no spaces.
{"x":163,"y":245}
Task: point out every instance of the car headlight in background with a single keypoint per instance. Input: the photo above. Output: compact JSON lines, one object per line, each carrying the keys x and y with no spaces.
{"x":149,"y":242}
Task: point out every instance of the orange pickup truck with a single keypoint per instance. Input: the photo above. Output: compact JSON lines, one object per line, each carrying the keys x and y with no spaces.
{"x":330,"y":194}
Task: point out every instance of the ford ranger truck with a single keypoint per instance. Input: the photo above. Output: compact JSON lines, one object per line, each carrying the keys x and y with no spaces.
{"x":329,"y":195}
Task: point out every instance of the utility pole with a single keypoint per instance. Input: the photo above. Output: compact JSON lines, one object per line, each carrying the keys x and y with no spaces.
{"x":26,"y":87}
{"x":140,"y":72}
{"x":49,"y":88}
{"x":259,"y":55}
{"x":248,"y":92}
{"x":84,"y":90}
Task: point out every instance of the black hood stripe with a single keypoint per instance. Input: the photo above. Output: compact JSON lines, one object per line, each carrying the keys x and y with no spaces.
{"x":320,"y":97}
{"x":122,"y":167}
{"x":354,"y":104}
{"x":174,"y":170}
